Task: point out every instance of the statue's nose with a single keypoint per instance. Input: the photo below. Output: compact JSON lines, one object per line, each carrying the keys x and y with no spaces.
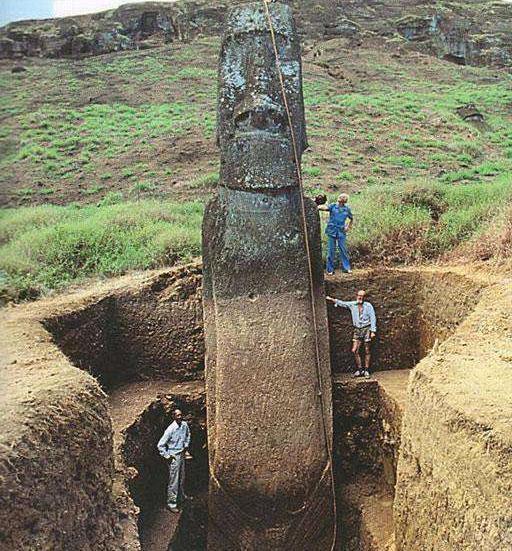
{"x":259,"y":112}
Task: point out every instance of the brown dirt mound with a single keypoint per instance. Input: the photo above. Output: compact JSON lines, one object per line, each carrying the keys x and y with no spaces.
{"x":454,"y":487}
{"x":58,"y":484}
{"x":57,"y":454}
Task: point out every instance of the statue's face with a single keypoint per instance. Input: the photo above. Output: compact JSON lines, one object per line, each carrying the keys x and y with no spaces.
{"x":253,"y":129}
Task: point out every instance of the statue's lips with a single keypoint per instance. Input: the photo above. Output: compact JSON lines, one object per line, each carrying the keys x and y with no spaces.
{"x":260,"y":134}
{"x":257,"y":146}
{"x":259,"y":139}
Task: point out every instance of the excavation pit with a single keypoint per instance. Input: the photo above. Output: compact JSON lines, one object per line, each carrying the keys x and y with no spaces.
{"x":141,"y":412}
{"x":141,"y":340}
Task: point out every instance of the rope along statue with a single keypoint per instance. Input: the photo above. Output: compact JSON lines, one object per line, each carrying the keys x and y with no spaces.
{"x":267,"y":353}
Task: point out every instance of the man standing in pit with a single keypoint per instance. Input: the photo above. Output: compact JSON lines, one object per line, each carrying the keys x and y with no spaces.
{"x":173,"y":447}
{"x":365,"y":329}
{"x":340,"y":221}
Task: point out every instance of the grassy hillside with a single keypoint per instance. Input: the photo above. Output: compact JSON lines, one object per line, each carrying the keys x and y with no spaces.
{"x":124,"y":145}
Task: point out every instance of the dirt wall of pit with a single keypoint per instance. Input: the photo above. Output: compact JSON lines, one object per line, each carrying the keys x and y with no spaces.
{"x":58,"y":484}
{"x":414,"y":309}
{"x":367,"y":425}
{"x":454,"y":487}
{"x":154,"y":330}
{"x":148,"y":472}
{"x":56,"y":457}
{"x":56,"y":463}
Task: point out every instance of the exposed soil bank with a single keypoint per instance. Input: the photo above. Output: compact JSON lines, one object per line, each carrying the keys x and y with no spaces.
{"x":57,"y":454}
{"x":367,"y":424}
{"x":154,"y":331}
{"x":58,"y":486}
{"x":56,"y":461}
{"x":454,"y":488}
{"x":414,"y":309}
{"x":367,"y":421}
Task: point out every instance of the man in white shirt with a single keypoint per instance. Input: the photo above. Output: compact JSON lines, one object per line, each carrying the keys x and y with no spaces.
{"x":365,"y":328}
{"x":173,"y":447}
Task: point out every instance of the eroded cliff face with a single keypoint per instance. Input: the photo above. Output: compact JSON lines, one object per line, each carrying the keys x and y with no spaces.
{"x":130,"y":27}
{"x":478,"y":32}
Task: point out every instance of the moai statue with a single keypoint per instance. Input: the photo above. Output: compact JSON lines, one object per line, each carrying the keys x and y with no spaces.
{"x":268,"y":378}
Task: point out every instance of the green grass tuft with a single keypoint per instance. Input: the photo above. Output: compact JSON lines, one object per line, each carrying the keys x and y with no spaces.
{"x":423,"y":220}
{"x":206,"y":181}
{"x":45,"y":248}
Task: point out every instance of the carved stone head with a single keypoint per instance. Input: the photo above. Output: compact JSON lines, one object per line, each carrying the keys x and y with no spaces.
{"x":253,"y":130}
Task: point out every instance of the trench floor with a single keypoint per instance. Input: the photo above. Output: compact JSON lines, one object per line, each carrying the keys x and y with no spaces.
{"x":393,"y":383}
{"x":373,"y":503}
{"x":126,"y":404}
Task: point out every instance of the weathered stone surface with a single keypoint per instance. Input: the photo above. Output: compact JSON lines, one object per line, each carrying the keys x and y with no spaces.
{"x":470,"y":112}
{"x":472,"y":33}
{"x":472,"y":36}
{"x":268,"y":428}
{"x":126,"y":28}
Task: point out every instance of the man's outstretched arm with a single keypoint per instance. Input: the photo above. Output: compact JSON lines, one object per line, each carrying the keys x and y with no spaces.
{"x":340,"y":303}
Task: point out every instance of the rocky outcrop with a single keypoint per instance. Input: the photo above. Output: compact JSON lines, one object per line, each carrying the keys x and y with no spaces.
{"x":129,"y":27}
{"x":480,"y":35}
{"x":472,"y":33}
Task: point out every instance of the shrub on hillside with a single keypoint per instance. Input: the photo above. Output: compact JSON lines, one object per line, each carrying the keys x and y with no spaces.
{"x":403,"y":224}
{"x":426,"y":196}
{"x":493,"y":242}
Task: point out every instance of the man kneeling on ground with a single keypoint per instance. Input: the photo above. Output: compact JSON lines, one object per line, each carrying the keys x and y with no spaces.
{"x":173,"y":446}
{"x":365,"y":328}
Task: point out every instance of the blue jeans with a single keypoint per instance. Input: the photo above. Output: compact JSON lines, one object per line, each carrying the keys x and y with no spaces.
{"x":341,"y":238}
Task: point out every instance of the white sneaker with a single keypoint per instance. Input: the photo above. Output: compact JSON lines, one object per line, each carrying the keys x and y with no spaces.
{"x":173,"y":508}
{"x":357,"y":374}
{"x":366,"y":374}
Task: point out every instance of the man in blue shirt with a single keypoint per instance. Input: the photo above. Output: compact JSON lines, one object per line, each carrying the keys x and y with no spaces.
{"x":173,"y":446}
{"x":365,"y":328}
{"x":340,"y":221}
